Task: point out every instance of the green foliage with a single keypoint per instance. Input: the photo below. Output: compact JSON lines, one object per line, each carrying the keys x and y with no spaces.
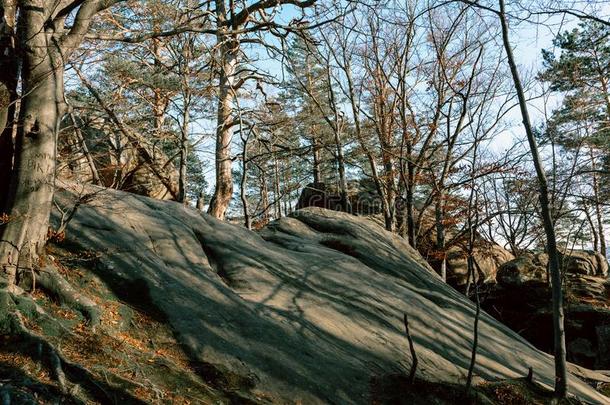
{"x":582,"y":72}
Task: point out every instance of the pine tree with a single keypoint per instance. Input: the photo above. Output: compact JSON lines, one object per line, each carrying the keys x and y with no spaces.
{"x":582,"y":123}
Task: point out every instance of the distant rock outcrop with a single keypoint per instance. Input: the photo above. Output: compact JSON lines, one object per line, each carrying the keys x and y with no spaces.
{"x":488,"y":256}
{"x":532,"y":267}
{"x":308,"y":310}
{"x":361,"y":194}
{"x":526,"y":308}
{"x":522,"y":300}
{"x":137,"y":167}
{"x":526,"y":268}
{"x":365,"y":201}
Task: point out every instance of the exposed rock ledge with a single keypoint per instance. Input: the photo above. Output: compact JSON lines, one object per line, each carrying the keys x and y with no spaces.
{"x":310,"y":309}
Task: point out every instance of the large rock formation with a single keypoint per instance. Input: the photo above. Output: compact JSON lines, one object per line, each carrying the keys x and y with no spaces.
{"x":135,"y":165}
{"x":532,"y":267}
{"x":522,"y":300}
{"x":362,"y":195}
{"x":365,"y":201}
{"x":585,"y":262}
{"x":309,"y":310}
{"x":526,"y":308}
{"x":488,"y":256}
{"x":526,"y":268}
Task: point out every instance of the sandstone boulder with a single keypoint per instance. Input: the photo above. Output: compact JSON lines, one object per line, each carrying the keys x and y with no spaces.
{"x":141,"y":168}
{"x":532,"y":267}
{"x":524,"y":269}
{"x":526,"y":307}
{"x":309,"y":310}
{"x":585,"y":262}
{"x":489,"y":258}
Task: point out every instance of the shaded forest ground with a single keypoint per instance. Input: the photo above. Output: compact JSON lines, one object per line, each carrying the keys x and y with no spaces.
{"x":132,"y":357}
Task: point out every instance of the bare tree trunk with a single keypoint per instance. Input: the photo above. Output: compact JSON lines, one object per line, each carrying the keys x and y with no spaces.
{"x":355,"y":105}
{"x":475,"y":340}
{"x":33,"y":175}
{"x":561,"y":375}
{"x":409,"y":197}
{"x":337,"y":128}
{"x":44,"y":46}
{"x":244,"y":179}
{"x":440,"y":234}
{"x":598,"y":211}
{"x":8,"y":96}
{"x":593,"y":228}
{"x":184,"y":144}
{"x":223,"y":191}
{"x":85,"y":150}
{"x":345,"y":205}
{"x":201,"y":200}
{"x":160,"y":101}
{"x":264,"y":197}
{"x":315,"y":146}
{"x":276,"y":189}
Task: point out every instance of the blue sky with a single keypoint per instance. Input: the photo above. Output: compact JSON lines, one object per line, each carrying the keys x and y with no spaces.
{"x":528,"y":40}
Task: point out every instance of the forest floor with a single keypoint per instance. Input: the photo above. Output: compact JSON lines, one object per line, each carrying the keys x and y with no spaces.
{"x":129,"y":358}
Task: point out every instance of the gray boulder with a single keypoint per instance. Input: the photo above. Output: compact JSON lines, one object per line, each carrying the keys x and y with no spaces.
{"x":524,"y":269}
{"x":489,"y":258}
{"x":309,"y":310}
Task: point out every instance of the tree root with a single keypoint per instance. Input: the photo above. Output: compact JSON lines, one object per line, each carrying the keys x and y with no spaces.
{"x":12,"y":322}
{"x":52,"y":281}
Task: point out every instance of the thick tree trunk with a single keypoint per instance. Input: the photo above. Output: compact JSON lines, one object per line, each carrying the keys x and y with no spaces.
{"x":223,"y":191}
{"x":561,"y":373}
{"x":8,"y":96}
{"x":200,"y":200}
{"x":32,"y":180}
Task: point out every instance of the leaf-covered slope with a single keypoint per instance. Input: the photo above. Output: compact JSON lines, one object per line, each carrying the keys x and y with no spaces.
{"x":310,"y":308}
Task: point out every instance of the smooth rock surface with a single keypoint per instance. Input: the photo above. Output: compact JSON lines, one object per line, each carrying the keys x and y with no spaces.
{"x":308,"y":310}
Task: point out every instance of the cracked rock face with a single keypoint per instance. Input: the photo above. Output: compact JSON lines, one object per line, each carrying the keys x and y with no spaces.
{"x":310,"y":308}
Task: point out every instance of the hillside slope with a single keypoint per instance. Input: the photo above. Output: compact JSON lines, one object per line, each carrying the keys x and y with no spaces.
{"x":308,"y":309}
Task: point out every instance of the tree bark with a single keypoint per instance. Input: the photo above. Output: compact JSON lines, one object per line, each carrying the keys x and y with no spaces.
{"x":264,"y":197}
{"x":43,"y":46}
{"x":315,"y":147}
{"x":561,"y":375}
{"x":33,"y":176}
{"x":440,"y":234}
{"x":8,"y":95}
{"x":410,"y":203}
{"x":598,"y":210}
{"x":223,"y":191}
{"x":184,"y":144}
